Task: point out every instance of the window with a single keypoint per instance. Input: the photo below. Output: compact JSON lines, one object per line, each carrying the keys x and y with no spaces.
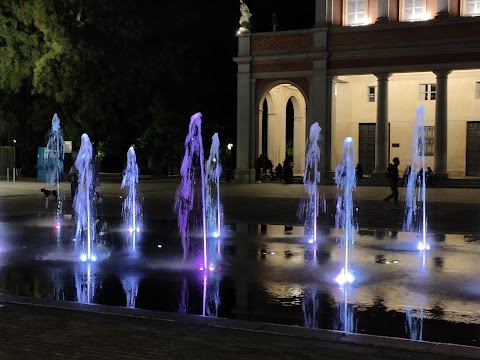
{"x":356,"y":12}
{"x":371,"y":93}
{"x":427,"y":91}
{"x":413,"y":10}
{"x":471,"y":8}
{"x":477,"y":90}
{"x":429,"y":134}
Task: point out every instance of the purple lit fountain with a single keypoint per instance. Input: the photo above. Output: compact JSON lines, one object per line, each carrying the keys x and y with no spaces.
{"x":309,"y":208}
{"x":55,"y":153}
{"x":344,"y":218}
{"x":84,"y":202}
{"x":415,"y":195}
{"x":193,"y":161}
{"x":132,"y":205}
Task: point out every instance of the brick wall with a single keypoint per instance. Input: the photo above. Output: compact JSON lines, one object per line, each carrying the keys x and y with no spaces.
{"x":281,"y":41}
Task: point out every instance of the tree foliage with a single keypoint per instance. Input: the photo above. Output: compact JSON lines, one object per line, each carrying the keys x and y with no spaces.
{"x":125,"y":72}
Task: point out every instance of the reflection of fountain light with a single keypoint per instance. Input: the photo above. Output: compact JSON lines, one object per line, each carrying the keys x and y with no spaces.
{"x":130,"y":286}
{"x":309,"y":308}
{"x":132,"y":208}
{"x":308,"y":209}
{"x":85,"y":284}
{"x":414,"y":324}
{"x":211,"y":295}
{"x":346,"y":320}
{"x":184,"y":199}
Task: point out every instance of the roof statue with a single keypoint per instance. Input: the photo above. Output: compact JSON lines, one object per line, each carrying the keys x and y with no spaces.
{"x":245,"y":17}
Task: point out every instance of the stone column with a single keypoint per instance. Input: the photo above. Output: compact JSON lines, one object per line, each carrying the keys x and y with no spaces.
{"x":382,"y":17}
{"x":381,"y":131}
{"x":318,"y":105}
{"x":323,"y":13}
{"x":327,"y":131}
{"x":242,"y":171}
{"x":441,"y":120}
{"x":298,"y":139}
{"x":254,"y":131}
{"x":442,"y":9}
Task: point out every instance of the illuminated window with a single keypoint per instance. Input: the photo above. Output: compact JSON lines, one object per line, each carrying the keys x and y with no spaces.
{"x":429,"y":133}
{"x":356,"y":12}
{"x":427,"y":92}
{"x":472,"y":8}
{"x":371,"y":92}
{"x":413,"y":10}
{"x":477,"y":90}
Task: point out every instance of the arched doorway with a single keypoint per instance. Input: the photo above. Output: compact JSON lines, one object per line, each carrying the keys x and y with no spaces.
{"x":282,"y":125}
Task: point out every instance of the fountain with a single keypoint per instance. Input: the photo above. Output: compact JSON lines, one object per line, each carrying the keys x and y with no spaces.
{"x":55,"y":153}
{"x":132,"y":205}
{"x":84,"y":201}
{"x":344,"y":218}
{"x":193,"y":161}
{"x":309,"y":207}
{"x":416,"y":186}
{"x":213,"y":170}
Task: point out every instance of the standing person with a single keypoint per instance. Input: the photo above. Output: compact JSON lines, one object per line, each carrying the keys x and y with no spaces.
{"x":73,"y":175}
{"x":392,"y":176}
{"x":258,"y":166}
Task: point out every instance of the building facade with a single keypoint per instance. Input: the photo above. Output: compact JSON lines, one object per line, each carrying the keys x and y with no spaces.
{"x":362,"y":71}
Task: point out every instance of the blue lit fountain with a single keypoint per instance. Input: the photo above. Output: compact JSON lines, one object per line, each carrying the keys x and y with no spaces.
{"x":55,"y":153}
{"x":344,"y":218}
{"x":415,"y":195}
{"x":132,"y":205}
{"x":309,"y":207}
{"x":84,"y":202}
{"x":193,"y":161}
{"x":213,"y":170}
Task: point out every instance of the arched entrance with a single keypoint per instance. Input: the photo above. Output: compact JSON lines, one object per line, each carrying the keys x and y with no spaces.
{"x":282,"y":113}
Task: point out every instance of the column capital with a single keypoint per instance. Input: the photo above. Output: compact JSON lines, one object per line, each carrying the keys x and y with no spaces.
{"x":442,"y":73}
{"x":382,"y":76}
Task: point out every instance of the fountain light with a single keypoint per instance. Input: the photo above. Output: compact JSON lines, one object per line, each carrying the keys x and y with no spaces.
{"x":159,"y":246}
{"x":138,"y":229}
{"x":130,"y":230}
{"x":344,"y":277}
{"x":311,"y":240}
{"x":422,"y":245}
{"x":215,"y":234}
{"x":83,"y":257}
{"x":211,"y":267}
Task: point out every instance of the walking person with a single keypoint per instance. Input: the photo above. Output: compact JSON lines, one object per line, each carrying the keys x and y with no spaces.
{"x":392,"y":176}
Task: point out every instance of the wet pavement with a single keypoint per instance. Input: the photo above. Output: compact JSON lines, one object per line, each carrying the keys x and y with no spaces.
{"x":44,"y":329}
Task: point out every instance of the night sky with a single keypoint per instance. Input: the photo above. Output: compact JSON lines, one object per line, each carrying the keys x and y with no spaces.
{"x":126,"y":72}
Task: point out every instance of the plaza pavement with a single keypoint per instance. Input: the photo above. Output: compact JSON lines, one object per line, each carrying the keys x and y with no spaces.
{"x":44,"y":329}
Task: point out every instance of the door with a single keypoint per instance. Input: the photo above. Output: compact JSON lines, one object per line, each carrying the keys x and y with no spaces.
{"x":366,"y":147}
{"x":473,"y":148}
